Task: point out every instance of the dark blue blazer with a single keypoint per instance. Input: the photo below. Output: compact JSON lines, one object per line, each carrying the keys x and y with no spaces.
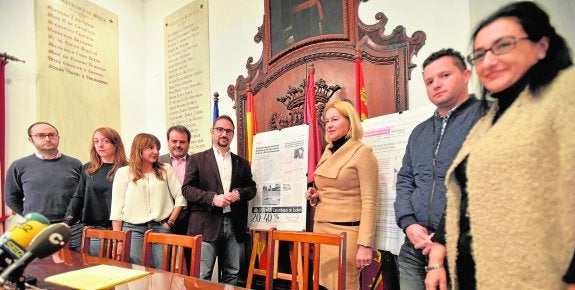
{"x":202,"y":183}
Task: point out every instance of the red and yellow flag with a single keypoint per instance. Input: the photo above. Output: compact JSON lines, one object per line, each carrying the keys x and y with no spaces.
{"x":251,"y":124}
{"x":360,"y":91}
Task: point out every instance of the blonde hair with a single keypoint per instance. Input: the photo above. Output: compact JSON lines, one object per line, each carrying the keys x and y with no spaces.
{"x":347,"y":110}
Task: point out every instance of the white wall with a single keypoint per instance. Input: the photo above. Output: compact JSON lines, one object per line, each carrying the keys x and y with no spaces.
{"x":435,"y":20}
{"x":233,"y":25}
{"x":17,"y":38}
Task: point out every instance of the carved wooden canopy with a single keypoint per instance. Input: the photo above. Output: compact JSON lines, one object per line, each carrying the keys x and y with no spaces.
{"x":277,"y":79}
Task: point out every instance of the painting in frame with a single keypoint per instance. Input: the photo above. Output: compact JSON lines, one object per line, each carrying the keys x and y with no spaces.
{"x":297,"y":23}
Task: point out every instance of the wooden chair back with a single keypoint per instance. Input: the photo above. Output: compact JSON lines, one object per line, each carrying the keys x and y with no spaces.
{"x":174,"y":251}
{"x":109,"y":243}
{"x":305,"y":248}
{"x":259,"y":239}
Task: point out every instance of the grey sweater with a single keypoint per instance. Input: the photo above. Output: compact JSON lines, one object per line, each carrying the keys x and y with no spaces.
{"x":44,"y":186}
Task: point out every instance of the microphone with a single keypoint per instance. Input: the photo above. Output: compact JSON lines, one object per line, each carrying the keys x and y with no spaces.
{"x":14,"y":243}
{"x":29,"y":217}
{"x":47,"y":242}
{"x":34,"y":216}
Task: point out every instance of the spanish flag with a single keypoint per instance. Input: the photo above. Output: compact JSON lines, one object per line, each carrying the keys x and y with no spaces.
{"x":360,"y":91}
{"x":251,"y":124}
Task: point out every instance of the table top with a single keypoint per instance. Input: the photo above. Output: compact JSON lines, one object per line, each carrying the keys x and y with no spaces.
{"x":42,"y":268}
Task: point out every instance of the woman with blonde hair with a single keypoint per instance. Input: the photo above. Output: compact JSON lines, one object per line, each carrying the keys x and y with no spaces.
{"x":146,"y":194}
{"x":345,"y":194}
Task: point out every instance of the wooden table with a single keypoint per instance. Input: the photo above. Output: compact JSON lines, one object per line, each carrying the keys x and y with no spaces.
{"x":157,"y":280}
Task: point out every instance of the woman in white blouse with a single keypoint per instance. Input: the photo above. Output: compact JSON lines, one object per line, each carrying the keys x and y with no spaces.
{"x":146,"y":194}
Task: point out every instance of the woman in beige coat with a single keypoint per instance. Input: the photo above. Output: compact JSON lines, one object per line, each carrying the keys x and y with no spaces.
{"x":510,"y":204}
{"x":345,"y":195}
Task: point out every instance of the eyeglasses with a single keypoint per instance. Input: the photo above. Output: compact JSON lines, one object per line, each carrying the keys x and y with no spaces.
{"x":222,"y":130}
{"x":43,"y":136}
{"x":501,"y":46}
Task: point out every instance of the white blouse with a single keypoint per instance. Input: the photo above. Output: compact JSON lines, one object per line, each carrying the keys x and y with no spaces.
{"x":148,"y":199}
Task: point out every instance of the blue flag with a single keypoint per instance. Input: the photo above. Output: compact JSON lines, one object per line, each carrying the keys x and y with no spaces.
{"x":216,"y":110}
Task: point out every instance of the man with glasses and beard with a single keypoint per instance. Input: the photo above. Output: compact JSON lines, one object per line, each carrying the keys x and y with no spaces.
{"x":45,"y":181}
{"x":218,"y":186}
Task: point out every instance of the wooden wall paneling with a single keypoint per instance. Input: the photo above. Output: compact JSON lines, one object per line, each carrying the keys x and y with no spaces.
{"x":278,"y":81}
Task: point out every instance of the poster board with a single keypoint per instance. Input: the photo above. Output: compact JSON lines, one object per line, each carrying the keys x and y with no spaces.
{"x":388,"y":135}
{"x":279,"y":167}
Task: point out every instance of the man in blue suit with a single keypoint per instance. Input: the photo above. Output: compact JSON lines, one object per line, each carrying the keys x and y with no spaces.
{"x":218,"y":185}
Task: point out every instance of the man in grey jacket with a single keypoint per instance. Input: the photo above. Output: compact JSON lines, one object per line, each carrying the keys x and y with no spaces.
{"x":420,"y":196}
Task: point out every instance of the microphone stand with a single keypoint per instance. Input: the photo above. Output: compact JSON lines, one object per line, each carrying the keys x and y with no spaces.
{"x":20,"y":279}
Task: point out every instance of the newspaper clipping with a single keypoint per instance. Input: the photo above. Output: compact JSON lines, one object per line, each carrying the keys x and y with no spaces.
{"x":387,"y":135}
{"x":279,"y":167}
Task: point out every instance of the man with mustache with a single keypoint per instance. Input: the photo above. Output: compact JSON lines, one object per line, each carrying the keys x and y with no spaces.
{"x":178,"y":145}
{"x":218,"y":186}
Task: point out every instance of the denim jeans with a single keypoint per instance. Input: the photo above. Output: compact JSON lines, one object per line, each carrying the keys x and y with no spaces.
{"x":95,"y":247}
{"x":411,"y":263}
{"x":137,"y":243}
{"x":227,"y":250}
